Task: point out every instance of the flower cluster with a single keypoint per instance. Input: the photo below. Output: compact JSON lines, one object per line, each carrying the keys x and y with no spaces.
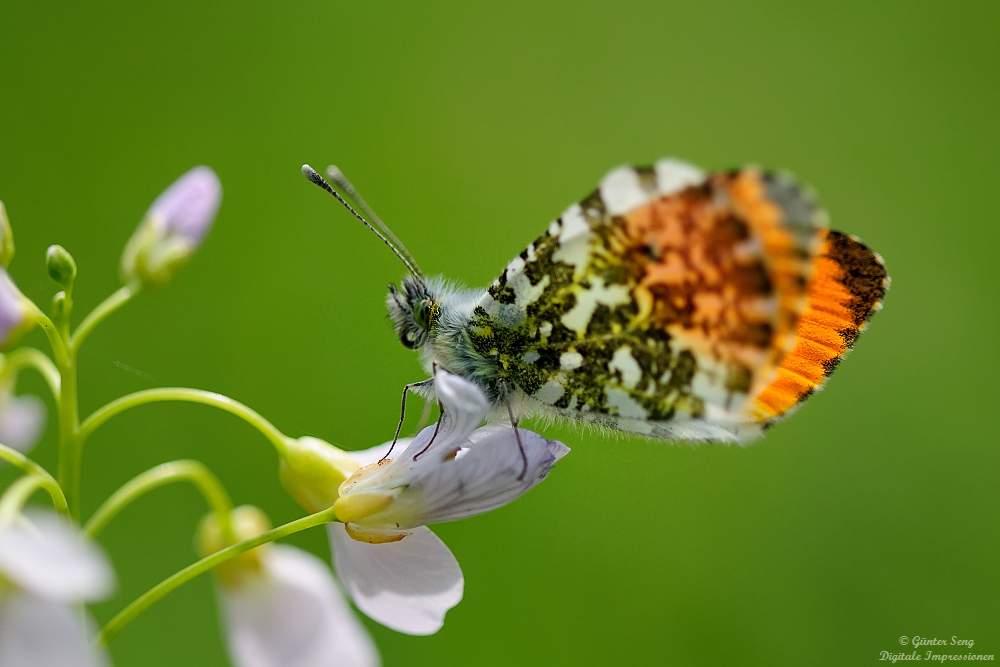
{"x":280,"y":606}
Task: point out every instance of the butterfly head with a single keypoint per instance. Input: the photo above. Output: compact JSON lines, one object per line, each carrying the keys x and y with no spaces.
{"x":414,"y":311}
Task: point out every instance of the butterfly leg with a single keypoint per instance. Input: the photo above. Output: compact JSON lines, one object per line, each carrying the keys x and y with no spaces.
{"x":437,"y":427}
{"x":402,"y":412}
{"x":517,"y":436}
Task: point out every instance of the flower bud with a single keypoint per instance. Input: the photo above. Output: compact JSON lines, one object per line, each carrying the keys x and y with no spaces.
{"x":172,"y":229}
{"x":247,"y":522}
{"x":15,"y":312}
{"x":61,"y":265}
{"x":6,"y":238}
{"x":313,"y":470}
{"x":59,"y":305}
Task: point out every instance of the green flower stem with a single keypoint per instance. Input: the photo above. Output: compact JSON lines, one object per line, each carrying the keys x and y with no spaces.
{"x":17,"y":495}
{"x":166,"y":586}
{"x":101,"y":415}
{"x":69,"y":415}
{"x":70,"y":444}
{"x":15,"y":457}
{"x":29,"y":357}
{"x":65,"y":348}
{"x":56,"y":340}
{"x":62,"y":321}
{"x":175,"y":471}
{"x":98,"y":314}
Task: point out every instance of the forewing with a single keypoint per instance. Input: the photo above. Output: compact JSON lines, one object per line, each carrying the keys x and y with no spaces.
{"x":663,"y":303}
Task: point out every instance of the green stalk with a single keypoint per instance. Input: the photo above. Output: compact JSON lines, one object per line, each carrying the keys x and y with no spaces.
{"x":158,"y":592}
{"x":66,"y":312}
{"x":52,"y":333}
{"x":167,"y":473}
{"x":99,"y":313}
{"x":70,"y":451}
{"x":31,"y":468}
{"x":17,"y":495}
{"x":101,"y":415}
{"x":69,"y":419}
{"x":65,"y":348}
{"x":29,"y":357}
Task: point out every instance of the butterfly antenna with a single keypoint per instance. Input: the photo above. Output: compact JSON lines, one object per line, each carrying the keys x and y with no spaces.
{"x":314,"y":176}
{"x":334,"y":173}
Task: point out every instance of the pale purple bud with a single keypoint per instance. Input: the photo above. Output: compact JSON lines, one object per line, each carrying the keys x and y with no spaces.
{"x":14,"y":312}
{"x":173,"y":228}
{"x":6,"y":238}
{"x":188,"y":207}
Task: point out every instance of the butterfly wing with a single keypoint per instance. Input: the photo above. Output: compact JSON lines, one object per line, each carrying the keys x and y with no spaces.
{"x":665,"y":303}
{"x":848,"y":283}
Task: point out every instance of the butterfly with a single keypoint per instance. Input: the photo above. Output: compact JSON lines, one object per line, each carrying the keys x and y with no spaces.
{"x":667,"y":303}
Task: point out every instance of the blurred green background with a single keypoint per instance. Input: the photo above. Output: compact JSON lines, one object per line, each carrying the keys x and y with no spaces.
{"x":871,"y":514}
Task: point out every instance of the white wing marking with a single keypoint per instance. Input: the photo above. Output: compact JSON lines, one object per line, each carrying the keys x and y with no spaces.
{"x":673,"y":176}
{"x":621,"y":191}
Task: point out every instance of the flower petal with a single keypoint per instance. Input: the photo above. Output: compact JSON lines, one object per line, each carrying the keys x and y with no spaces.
{"x":465,"y":407}
{"x":294,"y":615}
{"x":189,"y":205}
{"x":372,"y":454}
{"x":487,"y":475}
{"x":22,"y":419}
{"x":52,"y":559}
{"x":13,"y":311}
{"x":408,"y":585}
{"x":35,"y":632}
{"x":557,"y":449}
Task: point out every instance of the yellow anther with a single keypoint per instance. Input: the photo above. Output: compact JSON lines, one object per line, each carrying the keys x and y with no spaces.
{"x":374,"y":535}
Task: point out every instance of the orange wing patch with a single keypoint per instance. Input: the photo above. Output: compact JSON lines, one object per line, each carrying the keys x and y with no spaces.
{"x":729,"y":273}
{"x":848,"y":283}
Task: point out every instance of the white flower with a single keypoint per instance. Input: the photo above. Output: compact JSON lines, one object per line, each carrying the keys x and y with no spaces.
{"x":46,"y":569}
{"x":395,"y":569}
{"x":173,"y":228}
{"x":15,"y":312}
{"x":281,"y":606}
{"x":292,"y":614}
{"x":22,"y":419}
{"x":450,"y":471}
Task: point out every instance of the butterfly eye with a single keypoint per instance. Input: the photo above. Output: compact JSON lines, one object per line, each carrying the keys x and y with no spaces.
{"x":422,"y":314}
